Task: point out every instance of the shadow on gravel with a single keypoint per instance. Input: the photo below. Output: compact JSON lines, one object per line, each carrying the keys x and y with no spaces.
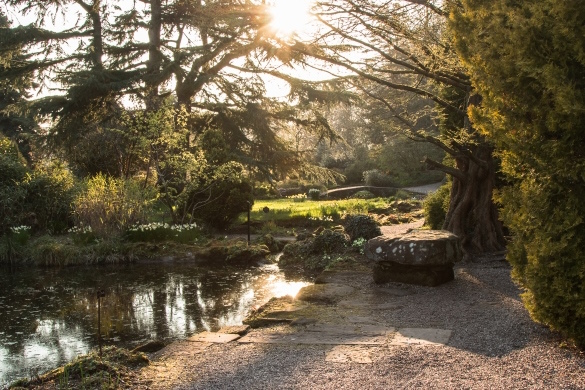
{"x":269,"y":368}
{"x":481,"y":306}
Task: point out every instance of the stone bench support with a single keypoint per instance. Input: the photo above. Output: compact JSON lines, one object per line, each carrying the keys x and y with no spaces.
{"x":422,"y":257}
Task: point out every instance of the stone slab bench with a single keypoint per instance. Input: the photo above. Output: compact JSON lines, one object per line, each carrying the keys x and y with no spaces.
{"x":421,"y":257}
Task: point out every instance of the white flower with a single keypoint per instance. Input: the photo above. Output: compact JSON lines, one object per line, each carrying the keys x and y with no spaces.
{"x":19,"y":229}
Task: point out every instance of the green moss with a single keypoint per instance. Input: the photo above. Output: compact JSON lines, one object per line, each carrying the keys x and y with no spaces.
{"x":361,"y":226}
{"x":90,"y":371}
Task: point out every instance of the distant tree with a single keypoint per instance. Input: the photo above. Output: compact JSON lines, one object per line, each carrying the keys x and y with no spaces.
{"x":406,"y":46}
{"x":527,"y":60}
{"x":19,"y":127}
{"x":205,"y":54}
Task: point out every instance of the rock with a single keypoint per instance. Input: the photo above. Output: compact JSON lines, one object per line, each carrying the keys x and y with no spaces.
{"x":318,"y":231}
{"x":275,"y":311}
{"x":422,"y":257}
{"x":303,"y":321}
{"x":303,"y":235}
{"x":411,"y":274}
{"x":403,"y":207}
{"x":215,"y":338}
{"x":235,"y":329}
{"x":324,"y":293}
{"x":271,"y":243}
{"x":151,"y":346}
{"x":236,"y":252}
{"x":338,"y":228}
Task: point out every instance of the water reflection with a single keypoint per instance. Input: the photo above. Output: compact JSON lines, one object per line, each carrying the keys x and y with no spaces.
{"x":50,"y":316}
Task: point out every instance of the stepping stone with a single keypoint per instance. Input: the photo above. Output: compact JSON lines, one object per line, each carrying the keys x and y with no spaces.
{"x":324,"y":293}
{"x":236,"y":329}
{"x":276,"y":311}
{"x":303,"y":321}
{"x":349,"y":354}
{"x":421,"y":336}
{"x":361,"y":320}
{"x":325,"y":335}
{"x":211,"y":337}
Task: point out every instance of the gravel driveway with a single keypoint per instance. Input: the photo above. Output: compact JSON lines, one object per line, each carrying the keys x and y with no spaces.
{"x":493,"y":345}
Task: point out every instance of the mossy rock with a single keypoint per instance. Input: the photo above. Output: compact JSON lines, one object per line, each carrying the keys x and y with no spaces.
{"x":238,"y":252}
{"x":314,"y":254}
{"x":271,"y":243}
{"x":149,"y":347}
{"x":91,"y":370}
{"x":330,"y":241}
{"x":361,"y":226}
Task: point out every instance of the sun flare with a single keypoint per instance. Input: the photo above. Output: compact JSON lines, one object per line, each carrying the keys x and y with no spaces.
{"x":289,"y":17}
{"x":280,"y":289}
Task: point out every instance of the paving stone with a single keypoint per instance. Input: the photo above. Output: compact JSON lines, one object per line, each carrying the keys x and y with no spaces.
{"x":211,"y":337}
{"x":324,"y":293}
{"x":236,"y":329}
{"x":421,"y":336}
{"x":314,"y":338}
{"x":349,"y":354}
{"x":275,"y":311}
{"x":363,"y":304}
{"x":365,"y":329}
{"x":325,"y":334}
{"x":361,"y":320}
{"x":303,"y":321}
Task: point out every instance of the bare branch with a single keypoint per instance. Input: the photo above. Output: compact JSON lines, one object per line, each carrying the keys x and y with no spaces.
{"x":443,"y":168}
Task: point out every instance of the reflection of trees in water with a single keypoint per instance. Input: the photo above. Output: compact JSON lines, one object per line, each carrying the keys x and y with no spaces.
{"x":57,"y":309}
{"x":219,"y":294}
{"x":141,"y":303}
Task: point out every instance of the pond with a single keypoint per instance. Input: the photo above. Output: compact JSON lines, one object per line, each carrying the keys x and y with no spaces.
{"x":49,"y":316}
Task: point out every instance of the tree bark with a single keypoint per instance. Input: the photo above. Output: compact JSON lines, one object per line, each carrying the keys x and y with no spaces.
{"x":154,"y":62}
{"x":472,"y":214}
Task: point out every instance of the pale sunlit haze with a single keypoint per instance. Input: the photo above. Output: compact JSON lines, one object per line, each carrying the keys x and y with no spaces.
{"x":289,"y":16}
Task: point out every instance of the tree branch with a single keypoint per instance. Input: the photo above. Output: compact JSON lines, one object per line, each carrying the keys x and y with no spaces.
{"x":301,"y":48}
{"x":443,"y":168}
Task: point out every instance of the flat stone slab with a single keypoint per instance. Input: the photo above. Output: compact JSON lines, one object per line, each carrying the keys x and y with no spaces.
{"x":324,"y":293}
{"x":275,"y":311}
{"x":325,"y":335}
{"x":211,"y":337}
{"x":362,"y":304}
{"x":236,"y":329}
{"x":349,"y":354}
{"x":419,"y":248}
{"x":365,"y":329}
{"x":421,"y":336}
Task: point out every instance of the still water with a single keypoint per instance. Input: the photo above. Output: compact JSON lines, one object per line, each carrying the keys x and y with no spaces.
{"x":49,"y":316}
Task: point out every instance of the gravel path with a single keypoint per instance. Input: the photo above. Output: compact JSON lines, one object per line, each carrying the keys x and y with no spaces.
{"x":494,"y":344}
{"x":403,"y":227}
{"x":426,"y":189}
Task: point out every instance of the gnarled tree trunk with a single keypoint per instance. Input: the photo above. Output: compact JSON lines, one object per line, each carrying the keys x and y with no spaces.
{"x":472,"y":214}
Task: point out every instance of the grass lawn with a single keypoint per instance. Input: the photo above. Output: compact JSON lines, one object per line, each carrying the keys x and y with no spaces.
{"x":286,"y":209}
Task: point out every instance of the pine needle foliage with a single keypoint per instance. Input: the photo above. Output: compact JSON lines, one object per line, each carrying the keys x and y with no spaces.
{"x":527,"y":60}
